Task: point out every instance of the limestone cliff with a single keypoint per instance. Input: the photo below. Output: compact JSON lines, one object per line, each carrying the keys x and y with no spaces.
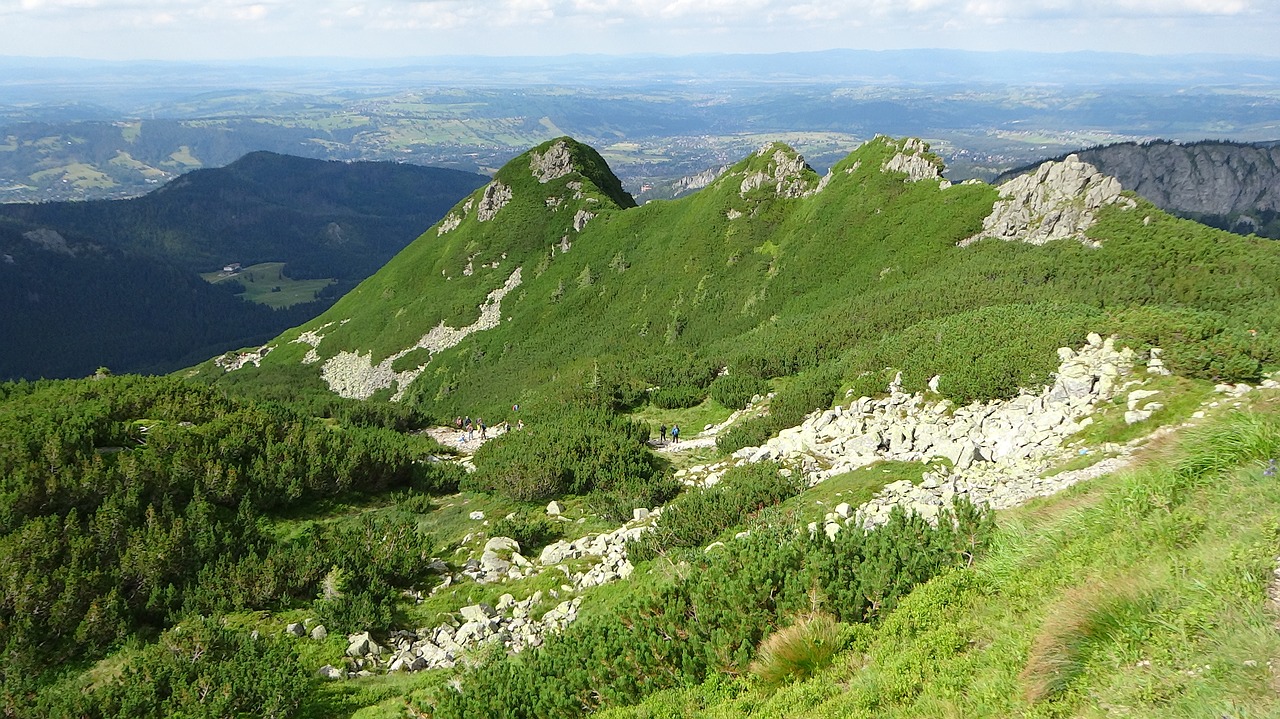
{"x":1230,"y":185}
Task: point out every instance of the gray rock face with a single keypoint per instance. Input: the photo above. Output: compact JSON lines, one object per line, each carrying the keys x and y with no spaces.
{"x":1060,"y":200}
{"x":555,"y":162}
{"x":50,"y":240}
{"x":496,"y":196}
{"x":786,"y":174}
{"x":913,"y":159}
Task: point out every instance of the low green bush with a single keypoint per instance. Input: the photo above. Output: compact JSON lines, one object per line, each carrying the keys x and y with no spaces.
{"x":531,"y":528}
{"x":805,"y":393}
{"x":678,"y":397}
{"x":700,"y":515}
{"x":200,"y":669}
{"x":736,"y":390}
{"x":579,"y":451}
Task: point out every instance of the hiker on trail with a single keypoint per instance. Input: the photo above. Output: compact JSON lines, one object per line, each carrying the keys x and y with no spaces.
{"x":484,"y":429}
{"x":662,"y":434}
{"x":457,"y":422}
{"x":675,"y":433}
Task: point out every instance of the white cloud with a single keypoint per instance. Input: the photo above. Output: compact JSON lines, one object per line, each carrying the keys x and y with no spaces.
{"x":381,"y":27}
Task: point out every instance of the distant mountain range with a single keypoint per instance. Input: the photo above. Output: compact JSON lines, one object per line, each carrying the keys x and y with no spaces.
{"x":1231,"y":185}
{"x":115,"y":283}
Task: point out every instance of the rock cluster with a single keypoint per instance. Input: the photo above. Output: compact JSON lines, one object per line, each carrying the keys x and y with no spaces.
{"x":500,"y":560}
{"x":511,"y":623}
{"x":610,"y":548}
{"x":786,"y":172}
{"x":1060,"y":200}
{"x":555,"y":162}
{"x":914,"y":427}
{"x":913,"y":159}
{"x":232,"y":361}
{"x":452,"y":220}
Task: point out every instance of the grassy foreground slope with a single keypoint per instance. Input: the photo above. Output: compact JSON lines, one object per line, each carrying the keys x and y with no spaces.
{"x":773,"y":271}
{"x":1145,"y":593}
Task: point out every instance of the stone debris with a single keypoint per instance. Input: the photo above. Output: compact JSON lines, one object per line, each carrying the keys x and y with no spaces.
{"x":354,"y":376}
{"x":1058,"y":201}
{"x":449,"y":223}
{"x":511,"y":622}
{"x":232,"y":361}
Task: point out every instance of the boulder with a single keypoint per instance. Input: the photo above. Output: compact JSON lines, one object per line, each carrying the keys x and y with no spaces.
{"x":478,"y":612}
{"x":329,"y":671}
{"x":296,"y":629}
{"x":502,"y":544}
{"x":319,"y":633}
{"x":557,"y":552}
{"x":553,"y":509}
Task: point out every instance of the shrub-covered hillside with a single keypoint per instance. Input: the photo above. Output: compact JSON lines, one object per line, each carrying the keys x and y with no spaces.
{"x":534,"y":291}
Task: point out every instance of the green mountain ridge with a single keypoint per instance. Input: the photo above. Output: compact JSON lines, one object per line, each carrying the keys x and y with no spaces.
{"x":769,"y":271}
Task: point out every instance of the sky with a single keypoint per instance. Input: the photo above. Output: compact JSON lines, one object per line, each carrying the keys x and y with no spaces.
{"x":252,"y":29}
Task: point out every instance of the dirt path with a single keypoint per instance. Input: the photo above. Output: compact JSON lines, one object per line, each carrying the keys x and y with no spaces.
{"x":457,"y":439}
{"x":684,"y":445}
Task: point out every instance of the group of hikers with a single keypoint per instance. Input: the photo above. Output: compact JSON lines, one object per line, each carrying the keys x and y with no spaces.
{"x":468,"y":427}
{"x":675,"y":434}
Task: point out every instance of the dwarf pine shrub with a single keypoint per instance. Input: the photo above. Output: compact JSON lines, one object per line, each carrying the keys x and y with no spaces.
{"x":736,"y":390}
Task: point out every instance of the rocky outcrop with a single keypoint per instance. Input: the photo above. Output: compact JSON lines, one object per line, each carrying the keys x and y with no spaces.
{"x":496,"y":196}
{"x":355,"y":376}
{"x":50,"y":240}
{"x":554,"y":163}
{"x":232,"y":361}
{"x":913,"y":158}
{"x":786,"y":173}
{"x":581,"y":218}
{"x":1060,"y":200}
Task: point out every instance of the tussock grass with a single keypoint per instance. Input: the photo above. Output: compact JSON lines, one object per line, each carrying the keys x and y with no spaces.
{"x":798,"y":652}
